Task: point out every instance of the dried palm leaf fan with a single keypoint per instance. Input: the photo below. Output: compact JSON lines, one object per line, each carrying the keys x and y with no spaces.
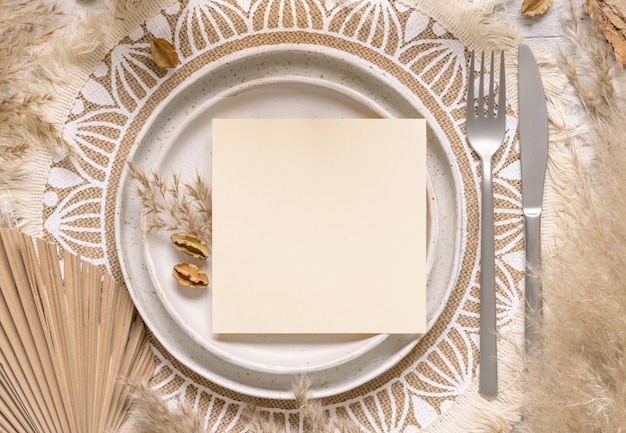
{"x":67,"y":336}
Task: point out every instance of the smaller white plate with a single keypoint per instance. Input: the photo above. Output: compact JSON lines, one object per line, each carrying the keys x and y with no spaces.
{"x":191,"y":308}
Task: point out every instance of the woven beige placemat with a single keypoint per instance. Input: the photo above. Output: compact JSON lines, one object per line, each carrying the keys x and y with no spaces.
{"x":434,"y":386}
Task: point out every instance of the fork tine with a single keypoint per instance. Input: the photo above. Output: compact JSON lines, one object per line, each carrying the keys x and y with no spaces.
{"x":481,"y":87}
{"x":502,"y":89}
{"x":492,"y":79}
{"x":470,"y":91}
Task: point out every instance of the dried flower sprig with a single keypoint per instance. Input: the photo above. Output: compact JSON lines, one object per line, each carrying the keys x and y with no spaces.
{"x":151,"y":413}
{"x":314,"y":417}
{"x":173,"y":205}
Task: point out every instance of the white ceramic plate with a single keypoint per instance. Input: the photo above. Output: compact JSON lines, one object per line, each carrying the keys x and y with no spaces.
{"x":279,"y":83}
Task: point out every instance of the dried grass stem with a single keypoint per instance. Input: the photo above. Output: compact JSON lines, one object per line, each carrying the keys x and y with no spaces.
{"x":577,"y":383}
{"x":173,"y":205}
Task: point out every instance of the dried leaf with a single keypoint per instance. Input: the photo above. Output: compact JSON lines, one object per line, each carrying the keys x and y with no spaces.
{"x":190,"y":244}
{"x":190,"y":275}
{"x":532,"y":8}
{"x":610,"y":17}
{"x":164,"y":54}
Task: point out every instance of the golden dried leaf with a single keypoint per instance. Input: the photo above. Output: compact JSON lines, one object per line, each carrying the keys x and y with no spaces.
{"x":190,"y":244}
{"x":190,"y":275}
{"x":610,"y":17}
{"x":532,"y":8}
{"x":163,"y":53}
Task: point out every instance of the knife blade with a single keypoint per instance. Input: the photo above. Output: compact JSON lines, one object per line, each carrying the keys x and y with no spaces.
{"x":533,"y":136}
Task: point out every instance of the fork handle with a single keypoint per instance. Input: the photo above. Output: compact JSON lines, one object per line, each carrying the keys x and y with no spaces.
{"x":488,"y":368}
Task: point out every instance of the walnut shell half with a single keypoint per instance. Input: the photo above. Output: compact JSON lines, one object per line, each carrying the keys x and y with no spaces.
{"x":191,"y":245}
{"x":190,"y":275}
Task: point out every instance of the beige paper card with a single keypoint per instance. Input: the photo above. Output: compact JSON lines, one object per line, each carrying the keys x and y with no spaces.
{"x":319,"y":226}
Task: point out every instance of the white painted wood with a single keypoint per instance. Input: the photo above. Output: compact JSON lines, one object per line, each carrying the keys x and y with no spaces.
{"x":546,"y":30}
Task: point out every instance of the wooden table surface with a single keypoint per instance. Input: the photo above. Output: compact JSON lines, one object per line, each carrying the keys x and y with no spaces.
{"x":545,"y":30}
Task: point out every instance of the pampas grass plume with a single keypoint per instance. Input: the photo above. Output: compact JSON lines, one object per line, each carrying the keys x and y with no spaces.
{"x":149,"y":413}
{"x":577,"y":382}
{"x":314,"y":418}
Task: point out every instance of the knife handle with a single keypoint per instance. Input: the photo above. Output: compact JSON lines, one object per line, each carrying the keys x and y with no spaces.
{"x":533,"y":295}
{"x":488,"y":368}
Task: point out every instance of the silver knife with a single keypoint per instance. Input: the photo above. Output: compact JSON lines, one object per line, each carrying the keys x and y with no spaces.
{"x":533,"y":127}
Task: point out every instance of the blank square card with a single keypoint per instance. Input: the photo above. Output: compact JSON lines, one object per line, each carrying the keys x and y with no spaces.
{"x":319,"y":226}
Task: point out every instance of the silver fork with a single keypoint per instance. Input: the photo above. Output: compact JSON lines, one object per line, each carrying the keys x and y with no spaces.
{"x":485,"y":133}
